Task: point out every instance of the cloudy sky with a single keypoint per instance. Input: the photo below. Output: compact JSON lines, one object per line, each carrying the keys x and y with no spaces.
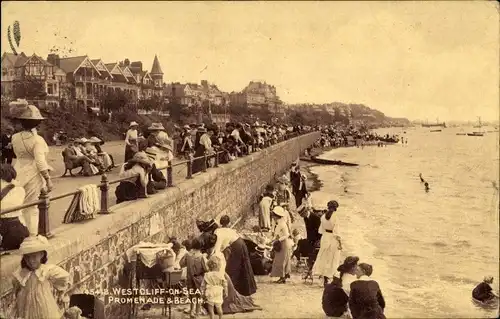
{"x":413,"y":59}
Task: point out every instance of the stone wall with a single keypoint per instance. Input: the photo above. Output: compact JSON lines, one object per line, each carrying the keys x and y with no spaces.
{"x":94,"y":252}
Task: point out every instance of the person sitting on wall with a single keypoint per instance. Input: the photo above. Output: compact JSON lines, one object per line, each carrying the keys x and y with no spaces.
{"x":136,"y":186}
{"x":160,"y":153}
{"x":73,"y":158}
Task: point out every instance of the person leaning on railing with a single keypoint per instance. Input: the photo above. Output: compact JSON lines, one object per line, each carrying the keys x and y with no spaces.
{"x":31,"y":151}
{"x":136,"y":170}
{"x":160,"y":153}
{"x":12,"y":225}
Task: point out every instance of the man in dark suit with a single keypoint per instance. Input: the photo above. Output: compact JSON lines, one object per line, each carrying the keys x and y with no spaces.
{"x":7,"y":151}
{"x":312,"y":221}
{"x":365,"y":299}
{"x":74,"y":159}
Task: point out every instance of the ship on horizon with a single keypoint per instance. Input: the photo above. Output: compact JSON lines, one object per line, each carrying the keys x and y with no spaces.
{"x":437,"y":124}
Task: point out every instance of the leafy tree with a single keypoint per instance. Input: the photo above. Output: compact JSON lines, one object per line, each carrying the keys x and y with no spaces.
{"x":115,"y":101}
{"x":30,"y":88}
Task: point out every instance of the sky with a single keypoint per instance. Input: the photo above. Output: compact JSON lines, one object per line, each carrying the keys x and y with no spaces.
{"x":419,"y":60}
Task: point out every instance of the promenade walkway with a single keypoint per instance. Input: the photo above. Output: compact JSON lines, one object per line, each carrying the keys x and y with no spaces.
{"x":67,"y":184}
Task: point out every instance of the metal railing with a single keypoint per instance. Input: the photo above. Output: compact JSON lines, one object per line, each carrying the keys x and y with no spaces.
{"x":44,"y":200}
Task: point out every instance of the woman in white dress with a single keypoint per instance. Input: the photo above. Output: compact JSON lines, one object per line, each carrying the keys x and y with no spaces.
{"x":31,"y":151}
{"x":328,"y":258}
{"x":131,"y":141}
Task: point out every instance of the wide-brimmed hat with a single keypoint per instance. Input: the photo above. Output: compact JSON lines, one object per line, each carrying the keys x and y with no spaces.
{"x":156,"y":127}
{"x":20,"y":109}
{"x":283,"y":180}
{"x":205,"y":226}
{"x":141,"y":158}
{"x":133,"y":123}
{"x":163,"y":141}
{"x":33,"y":244}
{"x":95,"y":139}
{"x":262,"y":248}
{"x":348,"y":263}
{"x":280,"y":211}
{"x":187,"y":127}
{"x":201,"y":129}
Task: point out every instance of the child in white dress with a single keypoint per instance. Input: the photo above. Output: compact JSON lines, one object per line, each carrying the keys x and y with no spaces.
{"x":34,"y":280}
{"x":214,"y":286}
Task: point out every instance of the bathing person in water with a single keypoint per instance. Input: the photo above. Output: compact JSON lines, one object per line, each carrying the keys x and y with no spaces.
{"x":422,"y":180}
{"x":483,"y":291}
{"x":427,"y":188}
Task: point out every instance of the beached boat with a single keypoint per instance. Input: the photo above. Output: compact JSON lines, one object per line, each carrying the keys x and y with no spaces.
{"x":314,"y":159}
{"x":436,"y":130}
{"x":461,"y":133}
{"x":475,"y":134}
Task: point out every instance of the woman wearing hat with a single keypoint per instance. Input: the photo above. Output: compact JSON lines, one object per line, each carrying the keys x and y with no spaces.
{"x":153,"y":130}
{"x":234,"y":302}
{"x":186,"y":148}
{"x":137,"y":168}
{"x":328,"y":257}
{"x":91,"y":152}
{"x":104,"y":158}
{"x":160,"y":153}
{"x":131,"y":140}
{"x":203,"y":146}
{"x":31,"y":151}
{"x":283,"y":250}
{"x":34,"y":282}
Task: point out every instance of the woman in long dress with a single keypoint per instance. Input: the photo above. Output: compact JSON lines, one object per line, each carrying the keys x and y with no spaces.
{"x":234,"y":302}
{"x":328,"y":258}
{"x":31,"y":151}
{"x":283,"y":250}
{"x":131,"y":141}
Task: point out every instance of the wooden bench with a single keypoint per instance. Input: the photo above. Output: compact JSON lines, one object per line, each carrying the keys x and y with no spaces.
{"x":70,"y":169}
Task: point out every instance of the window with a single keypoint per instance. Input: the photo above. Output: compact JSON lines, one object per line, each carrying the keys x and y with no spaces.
{"x":5,"y":72}
{"x":50,"y":89}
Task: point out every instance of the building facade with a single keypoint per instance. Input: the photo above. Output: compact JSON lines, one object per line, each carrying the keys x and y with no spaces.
{"x":78,"y":79}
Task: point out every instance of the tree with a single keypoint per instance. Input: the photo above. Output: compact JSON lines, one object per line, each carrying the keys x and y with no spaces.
{"x":30,"y":88}
{"x":114,"y":101}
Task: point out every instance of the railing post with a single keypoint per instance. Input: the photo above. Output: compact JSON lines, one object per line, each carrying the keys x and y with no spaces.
{"x":216,"y":164}
{"x":190,"y":168}
{"x":169,"y":174}
{"x":43,"y":214}
{"x":205,"y":162}
{"x":104,"y":194}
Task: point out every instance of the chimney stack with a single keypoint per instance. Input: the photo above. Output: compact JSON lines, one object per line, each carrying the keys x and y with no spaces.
{"x":54,"y":59}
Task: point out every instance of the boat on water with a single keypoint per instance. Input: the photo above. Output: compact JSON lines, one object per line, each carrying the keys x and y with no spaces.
{"x":477,"y":133}
{"x":314,"y":159}
{"x":461,"y":133}
{"x":436,"y":130}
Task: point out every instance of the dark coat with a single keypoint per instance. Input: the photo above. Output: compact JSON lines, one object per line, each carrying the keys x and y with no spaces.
{"x":312,"y":226}
{"x":7,"y":152}
{"x":366,"y":300}
{"x":335,"y":299}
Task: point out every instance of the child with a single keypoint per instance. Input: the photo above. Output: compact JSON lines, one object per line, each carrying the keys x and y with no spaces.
{"x":34,"y":280}
{"x":296,"y":237}
{"x":196,"y":266}
{"x":214,"y":286}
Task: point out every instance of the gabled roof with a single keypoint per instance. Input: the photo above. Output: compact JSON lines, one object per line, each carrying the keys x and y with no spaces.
{"x":127,"y":73}
{"x":13,"y":57}
{"x":72,"y":64}
{"x":116,"y":71}
{"x":100,"y":66}
{"x":156,"y":68}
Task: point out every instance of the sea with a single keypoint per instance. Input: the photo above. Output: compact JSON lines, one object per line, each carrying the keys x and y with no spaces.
{"x":428,"y":249}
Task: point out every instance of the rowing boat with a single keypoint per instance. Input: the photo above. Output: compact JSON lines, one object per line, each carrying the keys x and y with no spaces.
{"x":314,"y":159}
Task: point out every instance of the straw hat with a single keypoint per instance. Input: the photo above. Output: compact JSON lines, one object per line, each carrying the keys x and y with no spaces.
{"x":141,"y":158}
{"x":202,"y":129}
{"x":95,"y":139}
{"x":33,"y":244}
{"x":156,"y":127}
{"x":280,"y":211}
{"x":83,"y":140}
{"x":187,"y":127}
{"x":133,"y":123}
{"x":163,"y":141}
{"x":349,"y":262}
{"x":20,"y":109}
{"x":333,"y":204}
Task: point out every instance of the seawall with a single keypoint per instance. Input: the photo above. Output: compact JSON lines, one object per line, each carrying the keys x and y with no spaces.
{"x":93,"y":252}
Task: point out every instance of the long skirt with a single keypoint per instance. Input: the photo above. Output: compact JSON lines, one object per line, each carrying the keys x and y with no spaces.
{"x":239,"y":267}
{"x":328,"y":258}
{"x":282,"y":259}
{"x":13,"y":233}
{"x":33,"y":188}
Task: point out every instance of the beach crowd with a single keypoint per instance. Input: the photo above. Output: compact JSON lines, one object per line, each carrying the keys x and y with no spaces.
{"x":221,"y":262}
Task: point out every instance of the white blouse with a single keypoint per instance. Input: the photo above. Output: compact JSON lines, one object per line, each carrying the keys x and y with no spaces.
{"x":330,"y":224}
{"x":31,"y":151}
{"x":14,"y":198}
{"x":281,"y":232}
{"x":131,"y":136}
{"x":347,"y":279}
{"x":55,"y":274}
{"x":225,"y":237}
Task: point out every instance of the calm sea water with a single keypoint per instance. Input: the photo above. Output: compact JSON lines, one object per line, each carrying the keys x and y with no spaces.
{"x":428,"y":250}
